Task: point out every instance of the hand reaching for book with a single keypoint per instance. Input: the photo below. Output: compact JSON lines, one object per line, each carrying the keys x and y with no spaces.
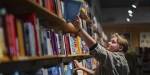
{"x":84,"y":16}
{"x":77,"y":24}
{"x":77,"y":65}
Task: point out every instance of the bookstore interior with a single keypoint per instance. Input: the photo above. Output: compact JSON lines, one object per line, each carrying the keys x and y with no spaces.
{"x":51,"y":37}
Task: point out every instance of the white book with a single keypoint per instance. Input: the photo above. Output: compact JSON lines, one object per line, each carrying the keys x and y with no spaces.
{"x":49,"y":45}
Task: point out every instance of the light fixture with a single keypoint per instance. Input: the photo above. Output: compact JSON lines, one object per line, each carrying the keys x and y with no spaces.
{"x":130,"y":11}
{"x":130,"y":15}
{"x":128,"y":19}
{"x":133,"y":5}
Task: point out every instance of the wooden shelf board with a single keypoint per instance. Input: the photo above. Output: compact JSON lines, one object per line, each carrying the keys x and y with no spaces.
{"x":26,"y":6}
{"x":26,"y":63}
{"x":36,"y":58}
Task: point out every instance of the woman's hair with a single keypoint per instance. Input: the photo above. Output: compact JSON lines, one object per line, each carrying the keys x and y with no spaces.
{"x":122,"y":41}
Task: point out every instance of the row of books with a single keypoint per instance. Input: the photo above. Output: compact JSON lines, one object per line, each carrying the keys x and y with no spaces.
{"x":63,"y":8}
{"x":63,"y":69}
{"x":53,"y":6}
{"x":24,"y":36}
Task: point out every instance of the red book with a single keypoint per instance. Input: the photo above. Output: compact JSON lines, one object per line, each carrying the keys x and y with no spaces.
{"x":58,"y":8}
{"x":31,"y":17}
{"x":11,"y":35}
{"x":67,"y":45}
{"x":37,"y":1}
{"x":52,"y":9}
{"x":49,"y":5}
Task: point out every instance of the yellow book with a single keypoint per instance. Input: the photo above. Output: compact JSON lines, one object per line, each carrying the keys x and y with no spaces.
{"x":2,"y":43}
{"x":79,"y":49}
{"x":20,"y":38}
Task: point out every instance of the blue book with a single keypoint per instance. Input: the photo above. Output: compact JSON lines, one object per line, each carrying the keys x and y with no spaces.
{"x":53,"y":70}
{"x":69,"y":69}
{"x":72,"y":9}
{"x":16,"y":73}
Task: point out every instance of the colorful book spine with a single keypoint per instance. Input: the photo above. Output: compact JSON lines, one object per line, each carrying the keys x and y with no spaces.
{"x":49,"y":45}
{"x":3,"y":49}
{"x":31,"y":17}
{"x":38,"y":52}
{"x":20,"y":38}
{"x":43,"y":42}
{"x":78,"y":41}
{"x":31,"y":39}
{"x":54,"y":42}
{"x":11,"y":35}
{"x":67,"y":44}
{"x":61,"y":43}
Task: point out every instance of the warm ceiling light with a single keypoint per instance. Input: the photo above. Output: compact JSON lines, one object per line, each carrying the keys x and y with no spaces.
{"x":130,"y":11}
{"x":127,"y":19}
{"x":130,"y":15}
{"x":134,"y":6}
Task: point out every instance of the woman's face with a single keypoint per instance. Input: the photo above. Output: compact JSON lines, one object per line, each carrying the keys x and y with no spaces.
{"x":113,"y":45}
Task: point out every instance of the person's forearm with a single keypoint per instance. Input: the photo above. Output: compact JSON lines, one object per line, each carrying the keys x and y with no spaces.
{"x":87,"y":38}
{"x":91,"y":72}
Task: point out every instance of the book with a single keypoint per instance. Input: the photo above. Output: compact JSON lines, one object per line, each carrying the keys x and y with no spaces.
{"x":20,"y":38}
{"x":38,"y":52}
{"x":30,"y":39}
{"x":67,"y":43}
{"x":49,"y":45}
{"x":61,"y":42}
{"x":68,"y":69}
{"x":71,"y":9}
{"x":43,"y":35}
{"x":57,"y":4}
{"x":32,"y":18}
{"x":79,"y":46}
{"x":54,"y":42}
{"x":53,"y":70}
{"x":3,"y":49}
{"x":11,"y":35}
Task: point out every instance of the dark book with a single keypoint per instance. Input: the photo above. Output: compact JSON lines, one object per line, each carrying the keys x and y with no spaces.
{"x":71,"y":9}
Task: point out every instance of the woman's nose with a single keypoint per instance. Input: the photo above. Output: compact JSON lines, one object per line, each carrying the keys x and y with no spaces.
{"x":109,"y":43}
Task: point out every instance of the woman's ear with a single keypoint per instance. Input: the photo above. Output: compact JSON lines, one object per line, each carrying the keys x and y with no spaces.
{"x":120,"y":48}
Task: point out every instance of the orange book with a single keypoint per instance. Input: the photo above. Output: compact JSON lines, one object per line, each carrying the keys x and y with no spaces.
{"x":20,"y":38}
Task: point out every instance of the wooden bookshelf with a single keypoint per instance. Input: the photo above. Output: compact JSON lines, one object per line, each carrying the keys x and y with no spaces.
{"x":31,"y":63}
{"x":70,"y":58}
{"x":47,"y":57}
{"x":49,"y":18}
{"x":19,"y":7}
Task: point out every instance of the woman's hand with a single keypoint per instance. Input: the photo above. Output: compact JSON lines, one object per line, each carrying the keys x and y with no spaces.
{"x":77,"y":65}
{"x":77,"y":24}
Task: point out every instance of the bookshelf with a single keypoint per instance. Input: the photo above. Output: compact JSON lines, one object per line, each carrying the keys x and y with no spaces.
{"x":49,"y":20}
{"x":24,"y":64}
{"x":25,"y":6}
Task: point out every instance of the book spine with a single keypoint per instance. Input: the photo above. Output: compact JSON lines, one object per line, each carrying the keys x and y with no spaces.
{"x":3,"y":49}
{"x":11,"y":35}
{"x":49,"y":46}
{"x":20,"y":38}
